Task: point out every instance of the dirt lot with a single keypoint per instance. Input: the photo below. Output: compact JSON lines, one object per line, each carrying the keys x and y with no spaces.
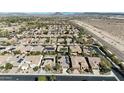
{"x":113,"y":26}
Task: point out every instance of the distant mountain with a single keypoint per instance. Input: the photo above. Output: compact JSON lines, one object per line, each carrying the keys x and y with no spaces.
{"x":60,"y":14}
{"x":103,"y":13}
{"x":13,"y":14}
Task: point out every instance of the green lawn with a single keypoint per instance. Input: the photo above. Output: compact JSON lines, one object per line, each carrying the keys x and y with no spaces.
{"x":42,"y":78}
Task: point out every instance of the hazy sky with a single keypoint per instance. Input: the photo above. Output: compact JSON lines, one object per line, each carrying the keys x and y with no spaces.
{"x":61,"y":5}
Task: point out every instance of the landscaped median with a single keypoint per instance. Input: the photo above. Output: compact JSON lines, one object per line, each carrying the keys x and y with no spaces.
{"x":112,"y":57}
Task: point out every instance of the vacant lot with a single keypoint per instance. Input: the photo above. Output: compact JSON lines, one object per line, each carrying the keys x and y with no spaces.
{"x":113,"y":26}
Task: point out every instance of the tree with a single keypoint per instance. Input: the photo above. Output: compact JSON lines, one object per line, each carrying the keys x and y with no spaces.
{"x":4,"y":43}
{"x":104,"y":68}
{"x":95,"y":54}
{"x":48,"y":67}
{"x":45,"y":32}
{"x":35,"y":68}
{"x":34,"y":53}
{"x":52,"y":78}
{"x":58,"y":67}
{"x":5,"y":52}
{"x":1,"y":67}
{"x":115,"y":60}
{"x":17,"y":52}
{"x":67,"y":32}
{"x":47,"y":40}
{"x":8,"y":66}
{"x":63,"y":49}
{"x":121,"y":66}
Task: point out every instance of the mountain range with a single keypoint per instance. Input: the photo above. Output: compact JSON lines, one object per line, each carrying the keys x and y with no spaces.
{"x":59,"y":13}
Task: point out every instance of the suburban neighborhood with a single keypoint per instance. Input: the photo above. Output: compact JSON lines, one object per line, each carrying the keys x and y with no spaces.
{"x":50,"y":46}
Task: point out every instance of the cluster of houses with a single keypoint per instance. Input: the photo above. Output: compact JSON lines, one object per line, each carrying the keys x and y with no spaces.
{"x":54,"y":49}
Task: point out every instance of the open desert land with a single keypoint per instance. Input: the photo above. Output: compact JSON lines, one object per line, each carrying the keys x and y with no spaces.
{"x":113,"y":26}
